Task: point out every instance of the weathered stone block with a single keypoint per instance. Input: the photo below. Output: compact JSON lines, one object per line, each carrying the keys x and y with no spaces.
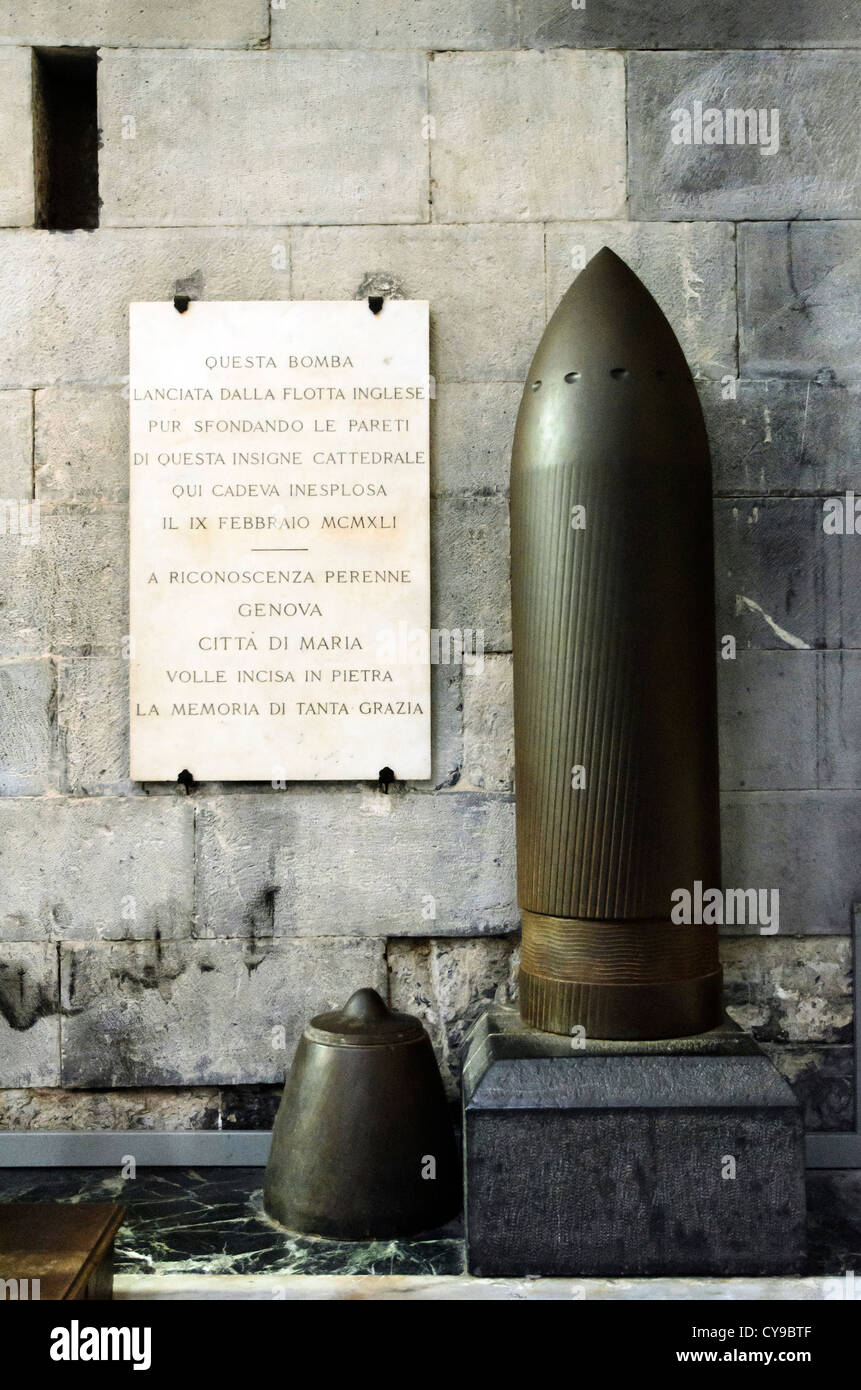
{"x":781,"y":436}
{"x":485,"y":285}
{"x":386,"y":867}
{"x":85,"y":552}
{"x":688,"y":267}
{"x":843,"y":556}
{"x":488,"y":725}
{"x":446,"y":726}
{"x":840,"y":719}
{"x":198,"y":1012}
{"x":448,"y":984}
{"x":424,"y":24}
{"x":77,"y":550}
{"x":29,"y":1014}
{"x":562,"y":112}
{"x":799,"y":300}
{"x":470,"y":584}
{"x":823,"y":1081}
{"x":249,"y":1107}
{"x":804,"y":161}
{"x":803,"y":843}
{"x":93,"y":718}
{"x":82,"y":443}
{"x":780,"y":990}
{"x":17,"y":205}
{"x":678,"y":24}
{"x":16,"y":444}
{"x":28,"y":729}
{"x":767,"y":719}
{"x":91,"y":23}
{"x":605,"y":1159}
{"x":472,"y":428}
{"x":107,"y":867}
{"x":776,"y":578}
{"x":162,"y":1110}
{"x":56,"y":327}
{"x":239,"y":138}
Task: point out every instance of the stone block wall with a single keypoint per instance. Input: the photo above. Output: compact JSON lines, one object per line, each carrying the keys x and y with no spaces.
{"x":160,"y":951}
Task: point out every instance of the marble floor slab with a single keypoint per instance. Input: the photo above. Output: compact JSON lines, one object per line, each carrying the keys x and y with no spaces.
{"x":202,"y":1233}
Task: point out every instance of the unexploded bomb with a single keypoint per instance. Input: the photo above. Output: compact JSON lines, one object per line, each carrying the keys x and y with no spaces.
{"x":614,"y":670}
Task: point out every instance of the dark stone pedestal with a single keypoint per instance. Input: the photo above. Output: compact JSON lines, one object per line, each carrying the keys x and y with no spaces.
{"x":604,"y":1158}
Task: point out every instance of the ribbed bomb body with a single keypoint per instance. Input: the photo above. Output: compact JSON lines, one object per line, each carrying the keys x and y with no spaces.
{"x":614,"y":670}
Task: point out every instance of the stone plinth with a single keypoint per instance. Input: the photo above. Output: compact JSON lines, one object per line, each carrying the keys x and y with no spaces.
{"x":602,"y":1159}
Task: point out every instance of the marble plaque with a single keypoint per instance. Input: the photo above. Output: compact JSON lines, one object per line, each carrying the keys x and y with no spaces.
{"x":280,"y":555}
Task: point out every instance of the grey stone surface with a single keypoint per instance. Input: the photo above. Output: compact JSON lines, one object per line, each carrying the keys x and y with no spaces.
{"x":249,"y":1107}
{"x":823,"y":1081}
{"x":238,"y":138}
{"x":447,"y":984}
{"x":29,"y":1014}
{"x":16,"y":444}
{"x":162,"y":1109}
{"x":89,"y":23}
{"x":81,"y":443}
{"x":78,"y":869}
{"x":677,"y":24}
{"x":17,"y":206}
{"x":80,"y":550}
{"x":470,"y":583}
{"x":636,"y":1143}
{"x":777,"y":575}
{"x":29,"y":761}
{"x":781,"y":436}
{"x":93,"y":720}
{"x":425,"y":24}
{"x":780,"y":990}
{"x":814,"y":171}
{"x":198,"y":1012}
{"x":843,"y":556}
{"x":768,"y":719}
{"x":563,"y":111}
{"x":485,"y":285}
{"x":329,"y":861}
{"x":802,"y":843}
{"x":799,"y":291}
{"x":840,"y":761}
{"x":688,"y":267}
{"x":488,"y":725}
{"x":64,"y":298}
{"x":446,"y":727}
{"x":472,"y":428}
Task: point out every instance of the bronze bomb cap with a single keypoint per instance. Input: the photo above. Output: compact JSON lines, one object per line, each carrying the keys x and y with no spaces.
{"x":363,"y":1146}
{"x":614,"y":670}
{"x":365,"y":1021}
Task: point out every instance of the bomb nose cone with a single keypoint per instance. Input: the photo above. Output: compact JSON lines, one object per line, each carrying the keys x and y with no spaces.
{"x":609,"y":307}
{"x":614,"y":668}
{"x":609,"y":382}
